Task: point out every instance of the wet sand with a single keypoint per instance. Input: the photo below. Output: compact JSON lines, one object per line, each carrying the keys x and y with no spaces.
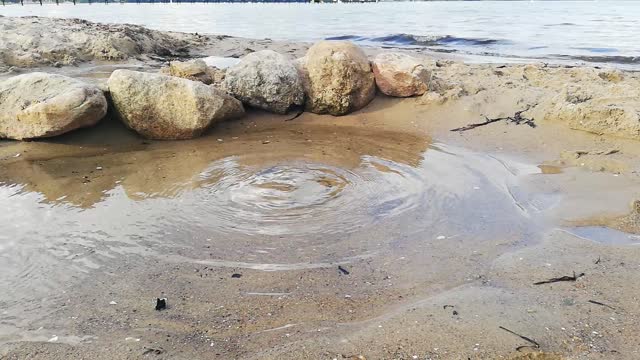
{"x":419,"y":216}
{"x":379,"y":235}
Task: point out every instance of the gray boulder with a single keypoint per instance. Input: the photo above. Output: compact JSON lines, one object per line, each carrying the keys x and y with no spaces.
{"x":266,"y":80}
{"x":38,"y":105}
{"x":165,"y":107}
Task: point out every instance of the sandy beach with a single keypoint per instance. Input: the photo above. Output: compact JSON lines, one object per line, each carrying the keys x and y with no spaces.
{"x":405,"y":233}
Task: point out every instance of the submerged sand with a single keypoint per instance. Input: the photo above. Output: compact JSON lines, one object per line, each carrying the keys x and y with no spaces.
{"x":379,"y":235}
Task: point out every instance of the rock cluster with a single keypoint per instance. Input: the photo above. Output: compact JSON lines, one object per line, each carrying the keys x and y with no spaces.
{"x":334,"y":77}
{"x":186,"y":98}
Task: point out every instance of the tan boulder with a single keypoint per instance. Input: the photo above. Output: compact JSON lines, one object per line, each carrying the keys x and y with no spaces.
{"x":165,"y":107}
{"x":38,"y":105}
{"x":337,"y":78}
{"x":400,"y":75}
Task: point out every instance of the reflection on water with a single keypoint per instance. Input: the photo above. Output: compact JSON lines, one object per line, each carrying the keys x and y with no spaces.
{"x":306,"y":199}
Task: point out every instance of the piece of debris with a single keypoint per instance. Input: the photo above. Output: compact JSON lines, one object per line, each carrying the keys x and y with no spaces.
{"x":448,"y":306}
{"x":602,"y":304}
{"x":455,"y":313}
{"x":300,"y":112}
{"x":152,"y":351}
{"x":236,"y":276}
{"x":266,"y":142}
{"x":597,"y":261}
{"x":161,"y":304}
{"x":529,"y":340}
{"x":562,"y":278}
{"x":517,"y":119}
{"x":98,"y":167}
{"x":605,"y":152}
{"x":579,"y":153}
{"x":343,"y":270}
{"x":113,"y":303}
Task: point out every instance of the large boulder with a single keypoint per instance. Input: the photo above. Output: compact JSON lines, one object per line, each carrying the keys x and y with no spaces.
{"x":400,"y":75}
{"x":337,"y":78}
{"x":196,"y":70}
{"x":38,"y":105}
{"x":266,"y":80}
{"x":165,"y":107}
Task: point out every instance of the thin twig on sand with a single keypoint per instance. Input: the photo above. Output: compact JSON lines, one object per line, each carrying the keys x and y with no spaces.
{"x":517,"y":119}
{"x":602,"y":304}
{"x":562,"y":278}
{"x":529,"y":340}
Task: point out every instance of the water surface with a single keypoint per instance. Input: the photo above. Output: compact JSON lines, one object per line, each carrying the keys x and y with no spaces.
{"x":286,"y":199}
{"x":591,"y":31}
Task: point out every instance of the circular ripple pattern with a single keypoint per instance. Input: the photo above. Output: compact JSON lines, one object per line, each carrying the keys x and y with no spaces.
{"x":302,"y":197}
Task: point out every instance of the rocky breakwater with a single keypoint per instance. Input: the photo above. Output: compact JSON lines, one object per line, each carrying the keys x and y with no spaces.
{"x":186,"y":98}
{"x":164,"y":107}
{"x":39,"y":105}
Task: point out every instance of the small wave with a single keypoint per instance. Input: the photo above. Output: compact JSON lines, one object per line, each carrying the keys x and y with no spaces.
{"x":628,"y":60}
{"x":561,"y":24}
{"x":600,"y":50}
{"x":419,"y":40}
{"x":347,"y":37}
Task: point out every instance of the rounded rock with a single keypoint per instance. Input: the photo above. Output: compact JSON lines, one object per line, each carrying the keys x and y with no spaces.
{"x":38,"y":105}
{"x":266,"y":80}
{"x":400,"y":75}
{"x":337,"y":78}
{"x":165,"y":107}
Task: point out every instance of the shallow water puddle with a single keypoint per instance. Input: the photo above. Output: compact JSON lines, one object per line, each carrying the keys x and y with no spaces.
{"x":304,"y":202}
{"x":604,"y":235}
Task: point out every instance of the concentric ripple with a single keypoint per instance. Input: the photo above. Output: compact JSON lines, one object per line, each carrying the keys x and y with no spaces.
{"x":301,"y":197}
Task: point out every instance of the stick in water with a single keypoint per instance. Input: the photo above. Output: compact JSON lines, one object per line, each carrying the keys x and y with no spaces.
{"x":529,"y":340}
